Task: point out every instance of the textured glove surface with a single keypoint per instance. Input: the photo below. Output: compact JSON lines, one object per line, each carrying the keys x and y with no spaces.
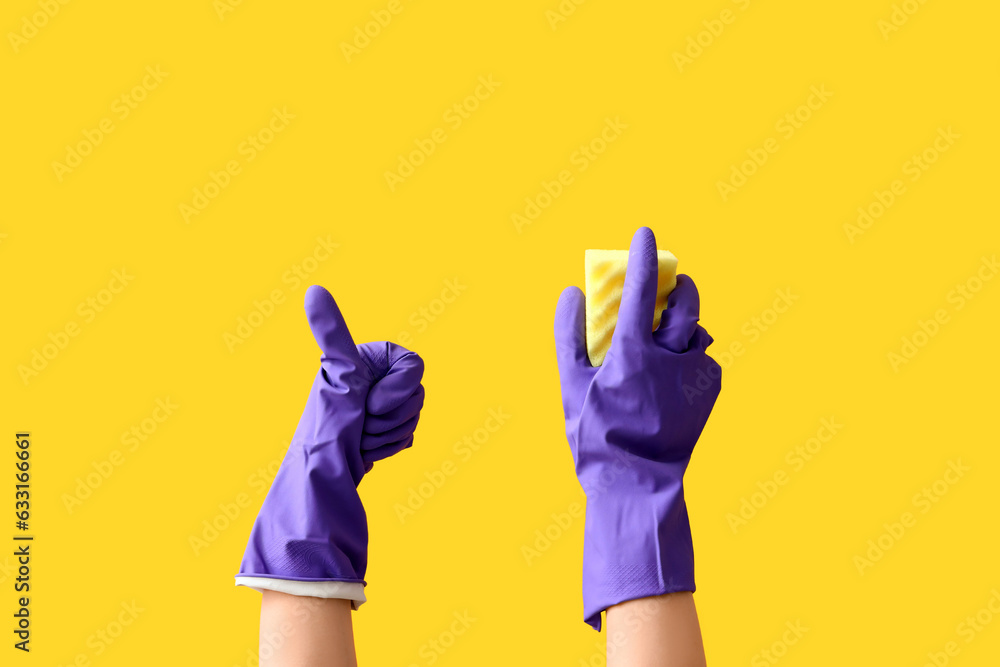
{"x":363,"y":407}
{"x":632,"y":424}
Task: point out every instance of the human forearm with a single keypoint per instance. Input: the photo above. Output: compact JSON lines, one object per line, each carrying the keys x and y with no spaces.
{"x":659,"y":631}
{"x":300,"y":631}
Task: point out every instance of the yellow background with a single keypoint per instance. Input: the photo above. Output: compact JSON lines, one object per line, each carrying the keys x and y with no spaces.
{"x":491,"y":347}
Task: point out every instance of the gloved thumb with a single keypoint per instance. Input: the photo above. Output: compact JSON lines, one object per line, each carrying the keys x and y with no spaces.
{"x":570,"y":331}
{"x":328,"y":326}
{"x":680,"y":318}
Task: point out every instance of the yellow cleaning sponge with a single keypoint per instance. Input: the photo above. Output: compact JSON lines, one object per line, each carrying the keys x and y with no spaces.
{"x":605,"y":279}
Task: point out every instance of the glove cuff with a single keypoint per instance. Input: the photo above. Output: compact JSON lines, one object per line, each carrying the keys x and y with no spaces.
{"x":635,"y":547}
{"x":312,"y":525}
{"x":344,"y":590}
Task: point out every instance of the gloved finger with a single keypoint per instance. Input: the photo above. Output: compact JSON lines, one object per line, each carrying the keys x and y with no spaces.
{"x":384,"y":452}
{"x":393,"y":418}
{"x":380,"y":356}
{"x":328,"y":326}
{"x":680,"y":317}
{"x":635,"y":314}
{"x":371,"y":441}
{"x":701,"y":339}
{"x":570,"y":331}
{"x":401,"y":374}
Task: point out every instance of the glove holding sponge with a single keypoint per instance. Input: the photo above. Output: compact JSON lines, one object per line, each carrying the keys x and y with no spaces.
{"x":631,"y":421}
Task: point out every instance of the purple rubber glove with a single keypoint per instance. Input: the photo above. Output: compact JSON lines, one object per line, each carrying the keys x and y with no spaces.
{"x":363,"y":407}
{"x":632,"y":424}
